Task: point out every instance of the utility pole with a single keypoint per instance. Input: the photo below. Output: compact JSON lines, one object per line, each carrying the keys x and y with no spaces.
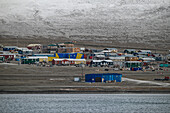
{"x":82,"y":67}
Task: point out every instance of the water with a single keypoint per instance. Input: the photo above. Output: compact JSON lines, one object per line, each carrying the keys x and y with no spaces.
{"x":90,"y":103}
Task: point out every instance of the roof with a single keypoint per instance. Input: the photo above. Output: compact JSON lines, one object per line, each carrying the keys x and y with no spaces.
{"x":101,"y":56}
{"x":30,"y":58}
{"x":62,"y":43}
{"x":43,"y":54}
{"x":37,"y":57}
{"x":7,"y":54}
{"x":132,"y":62}
{"x":102,"y":60}
{"x":129,"y":55}
{"x":97,"y":53}
{"x":117,"y":58}
{"x":10,"y":47}
{"x":70,"y":59}
{"x":145,"y":50}
{"x":52,"y":45}
{"x":143,"y":56}
{"x":30,"y":45}
{"x":104,"y":74}
{"x":151,"y":59}
{"x":68,"y":43}
{"x":141,"y":53}
{"x":130,"y":49}
{"x":112,"y":53}
{"x":106,"y":51}
{"x":111,"y":48}
{"x":24,"y":49}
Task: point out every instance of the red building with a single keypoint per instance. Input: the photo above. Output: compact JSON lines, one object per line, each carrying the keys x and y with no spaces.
{"x":8,"y":56}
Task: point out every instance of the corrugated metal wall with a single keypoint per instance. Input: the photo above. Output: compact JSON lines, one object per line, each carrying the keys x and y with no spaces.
{"x":105,"y":77}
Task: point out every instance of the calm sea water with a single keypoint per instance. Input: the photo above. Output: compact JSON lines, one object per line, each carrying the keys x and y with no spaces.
{"x":90,"y":103}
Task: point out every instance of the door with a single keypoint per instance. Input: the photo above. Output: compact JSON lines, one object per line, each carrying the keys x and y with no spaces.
{"x":98,"y":79}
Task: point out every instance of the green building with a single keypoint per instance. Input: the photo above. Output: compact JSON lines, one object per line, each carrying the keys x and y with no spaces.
{"x":2,"y":59}
{"x":133,"y":64}
{"x":29,"y":60}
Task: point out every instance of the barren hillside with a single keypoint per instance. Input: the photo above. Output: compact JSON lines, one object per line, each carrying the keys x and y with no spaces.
{"x":121,"y":22}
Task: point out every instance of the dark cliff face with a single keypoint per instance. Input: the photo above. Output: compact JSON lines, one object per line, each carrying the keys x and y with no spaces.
{"x":123,"y":21}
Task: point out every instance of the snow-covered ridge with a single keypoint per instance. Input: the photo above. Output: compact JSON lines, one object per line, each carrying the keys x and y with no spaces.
{"x":124,"y":19}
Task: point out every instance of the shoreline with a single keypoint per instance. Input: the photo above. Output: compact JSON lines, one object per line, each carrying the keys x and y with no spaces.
{"x":84,"y":92}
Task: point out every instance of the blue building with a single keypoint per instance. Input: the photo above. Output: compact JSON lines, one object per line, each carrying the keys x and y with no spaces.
{"x":104,"y":77}
{"x":8,"y":48}
{"x":69,"y":55}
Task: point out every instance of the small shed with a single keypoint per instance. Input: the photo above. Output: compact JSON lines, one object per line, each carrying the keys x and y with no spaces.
{"x":103,"y":77}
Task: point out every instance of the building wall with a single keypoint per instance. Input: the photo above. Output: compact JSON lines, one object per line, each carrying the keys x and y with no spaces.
{"x":131,"y":58}
{"x":68,"y":50}
{"x":29,"y":61}
{"x":67,"y":62}
{"x":133,"y":65}
{"x":50,"y":59}
{"x":69,"y":55}
{"x":11,"y":57}
{"x":43,"y":59}
{"x":109,"y":77}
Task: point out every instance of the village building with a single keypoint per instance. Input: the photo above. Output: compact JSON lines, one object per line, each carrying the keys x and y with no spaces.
{"x":68,"y":61}
{"x":24,"y":51}
{"x":133,"y":64}
{"x":65,"y":44}
{"x":129,"y":51}
{"x":40,"y":58}
{"x":9,"y":48}
{"x":113,"y":50}
{"x":101,"y":63}
{"x":68,"y":50}
{"x":131,"y":58}
{"x":35,"y":46}
{"x":32,"y":60}
{"x":103,"y":77}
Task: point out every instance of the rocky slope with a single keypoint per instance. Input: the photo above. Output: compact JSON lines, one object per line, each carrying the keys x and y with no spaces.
{"x":108,"y":21}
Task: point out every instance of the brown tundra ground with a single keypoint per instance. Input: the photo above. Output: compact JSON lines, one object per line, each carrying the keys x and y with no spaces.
{"x":59,"y":79}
